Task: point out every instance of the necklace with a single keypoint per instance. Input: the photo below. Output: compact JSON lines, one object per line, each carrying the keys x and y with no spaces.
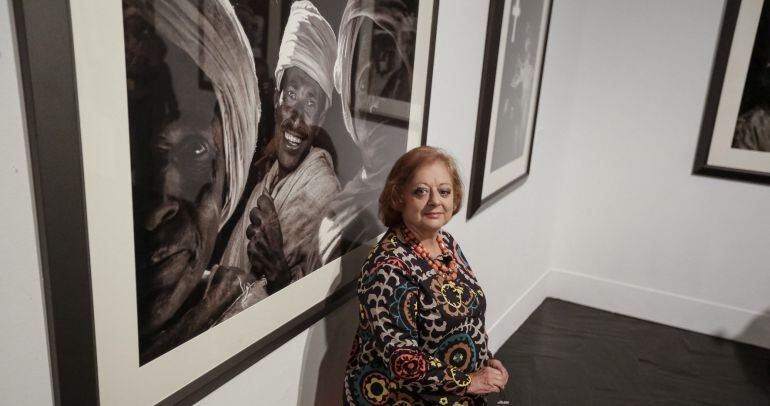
{"x":449,"y":272}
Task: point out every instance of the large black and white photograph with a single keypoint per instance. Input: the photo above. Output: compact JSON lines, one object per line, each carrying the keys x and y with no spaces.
{"x":238,"y":186}
{"x":513,"y":62}
{"x":229,"y":170}
{"x":735,"y":134}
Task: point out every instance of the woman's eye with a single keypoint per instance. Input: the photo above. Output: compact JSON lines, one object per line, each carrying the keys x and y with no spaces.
{"x":419,"y":192}
{"x":311,"y":103}
{"x":445,"y":193}
{"x":291,"y":94}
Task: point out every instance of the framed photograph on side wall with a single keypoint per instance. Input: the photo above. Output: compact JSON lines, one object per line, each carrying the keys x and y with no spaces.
{"x":517,"y":33}
{"x":735,"y":132}
{"x":205,"y":190}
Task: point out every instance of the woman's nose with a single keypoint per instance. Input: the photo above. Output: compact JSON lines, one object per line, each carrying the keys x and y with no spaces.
{"x":434,"y":200}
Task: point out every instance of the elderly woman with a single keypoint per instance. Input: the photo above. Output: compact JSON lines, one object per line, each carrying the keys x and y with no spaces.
{"x":421,"y":338}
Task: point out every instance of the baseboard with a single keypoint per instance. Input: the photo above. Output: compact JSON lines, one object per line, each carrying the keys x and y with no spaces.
{"x":507,"y":324}
{"x":667,"y":308}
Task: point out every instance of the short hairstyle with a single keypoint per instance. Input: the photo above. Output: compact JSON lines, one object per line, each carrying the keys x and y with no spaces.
{"x":402,"y":172}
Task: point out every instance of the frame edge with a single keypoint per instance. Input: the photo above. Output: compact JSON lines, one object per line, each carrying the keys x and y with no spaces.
{"x":44,"y":39}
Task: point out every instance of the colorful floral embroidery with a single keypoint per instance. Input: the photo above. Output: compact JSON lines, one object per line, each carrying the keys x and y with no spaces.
{"x":453,"y":298}
{"x":459,"y":377}
{"x":404,"y":308}
{"x":459,"y":351}
{"x":434,"y":362}
{"x":456,"y":380}
{"x":408,"y":364}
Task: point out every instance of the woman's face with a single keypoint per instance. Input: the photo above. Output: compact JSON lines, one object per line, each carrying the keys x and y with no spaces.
{"x":427,"y":201}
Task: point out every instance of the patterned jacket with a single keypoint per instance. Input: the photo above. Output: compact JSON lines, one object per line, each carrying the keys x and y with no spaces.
{"x":420,"y":335}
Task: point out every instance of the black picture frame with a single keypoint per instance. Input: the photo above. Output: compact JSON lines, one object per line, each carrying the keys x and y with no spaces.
{"x":715,"y":156}
{"x":483,"y":190}
{"x":51,"y":98}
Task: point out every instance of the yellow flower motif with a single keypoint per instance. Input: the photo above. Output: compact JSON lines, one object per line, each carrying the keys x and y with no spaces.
{"x":464,"y":403}
{"x":434,"y":362}
{"x":453,"y":298}
{"x":452,"y":288}
{"x":443,"y":401}
{"x":461,"y":381}
{"x":382,"y":389}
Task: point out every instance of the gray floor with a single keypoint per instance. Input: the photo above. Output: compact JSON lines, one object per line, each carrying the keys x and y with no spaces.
{"x":567,"y":354}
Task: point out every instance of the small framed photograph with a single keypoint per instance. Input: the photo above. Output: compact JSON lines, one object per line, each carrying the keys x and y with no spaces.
{"x":517,"y":32}
{"x":735,"y":132}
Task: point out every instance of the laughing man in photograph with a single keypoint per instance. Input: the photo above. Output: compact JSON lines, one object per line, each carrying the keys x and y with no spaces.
{"x":276,"y":238}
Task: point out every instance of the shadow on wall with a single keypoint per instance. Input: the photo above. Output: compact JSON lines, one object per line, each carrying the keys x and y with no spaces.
{"x":755,"y":361}
{"x":328,"y":344}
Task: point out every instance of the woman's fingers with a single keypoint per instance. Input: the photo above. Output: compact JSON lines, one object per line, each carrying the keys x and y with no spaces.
{"x":499,"y":366}
{"x":493,"y":378}
{"x":496,"y":378}
{"x":489,"y":379}
{"x":492,"y":388}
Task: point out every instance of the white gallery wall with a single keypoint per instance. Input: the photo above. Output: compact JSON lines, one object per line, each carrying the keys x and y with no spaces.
{"x":610,"y":215}
{"x":636,"y":233}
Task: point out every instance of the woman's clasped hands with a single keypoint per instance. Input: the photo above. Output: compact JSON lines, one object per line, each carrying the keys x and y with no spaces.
{"x":488,"y":379}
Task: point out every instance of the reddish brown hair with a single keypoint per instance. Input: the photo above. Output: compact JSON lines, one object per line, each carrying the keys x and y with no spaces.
{"x":402,"y":172}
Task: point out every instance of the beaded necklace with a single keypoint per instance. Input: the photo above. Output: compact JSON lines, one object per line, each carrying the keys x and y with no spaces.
{"x":449,"y":272}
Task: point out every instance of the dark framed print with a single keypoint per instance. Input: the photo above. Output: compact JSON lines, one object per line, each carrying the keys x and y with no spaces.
{"x":517,"y":32}
{"x":735,"y":132}
{"x":206,"y":187}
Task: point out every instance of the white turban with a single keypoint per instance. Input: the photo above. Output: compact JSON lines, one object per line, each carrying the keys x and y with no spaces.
{"x":393,"y":17}
{"x":210,"y":34}
{"x":309,"y":44}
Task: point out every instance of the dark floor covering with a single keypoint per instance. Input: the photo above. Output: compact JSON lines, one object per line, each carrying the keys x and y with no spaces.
{"x":568,"y":354}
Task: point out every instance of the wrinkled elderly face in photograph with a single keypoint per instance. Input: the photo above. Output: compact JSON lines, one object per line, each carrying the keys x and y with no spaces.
{"x":177,"y":166}
{"x":178,"y":182}
{"x":300,"y":110}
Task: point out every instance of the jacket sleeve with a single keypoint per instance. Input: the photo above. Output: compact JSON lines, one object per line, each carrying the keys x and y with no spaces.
{"x":390,"y":298}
